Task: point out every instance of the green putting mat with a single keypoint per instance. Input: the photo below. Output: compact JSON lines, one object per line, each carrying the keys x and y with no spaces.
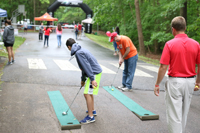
{"x":68,"y":121}
{"x":131,"y":105}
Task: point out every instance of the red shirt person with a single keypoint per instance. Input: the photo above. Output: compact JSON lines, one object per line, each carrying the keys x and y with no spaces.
{"x":46,"y":37}
{"x":79,"y":27}
{"x":79,"y":30}
{"x":181,"y":54}
{"x":76,"y":30}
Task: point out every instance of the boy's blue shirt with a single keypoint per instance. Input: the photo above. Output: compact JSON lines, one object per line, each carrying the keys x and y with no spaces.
{"x":86,"y":61}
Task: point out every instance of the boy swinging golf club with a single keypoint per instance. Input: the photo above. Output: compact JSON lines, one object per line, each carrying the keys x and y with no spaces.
{"x":91,"y":69}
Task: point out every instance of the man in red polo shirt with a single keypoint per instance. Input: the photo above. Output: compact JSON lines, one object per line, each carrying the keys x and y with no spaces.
{"x":181,"y":54}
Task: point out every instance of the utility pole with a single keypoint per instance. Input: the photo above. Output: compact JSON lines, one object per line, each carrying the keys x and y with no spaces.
{"x":34,"y":16}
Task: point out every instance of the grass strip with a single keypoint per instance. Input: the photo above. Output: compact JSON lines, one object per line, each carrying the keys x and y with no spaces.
{"x":18,"y":42}
{"x":104,"y":41}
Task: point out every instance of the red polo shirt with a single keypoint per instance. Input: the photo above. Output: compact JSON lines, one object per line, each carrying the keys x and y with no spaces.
{"x":181,"y":54}
{"x":79,"y":27}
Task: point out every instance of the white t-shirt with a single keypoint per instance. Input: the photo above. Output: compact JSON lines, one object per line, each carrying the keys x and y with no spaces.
{"x":25,"y":24}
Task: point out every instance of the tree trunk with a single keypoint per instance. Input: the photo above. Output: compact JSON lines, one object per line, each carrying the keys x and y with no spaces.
{"x":122,"y":9}
{"x":183,"y":11}
{"x":139,"y":27}
{"x":155,"y":46}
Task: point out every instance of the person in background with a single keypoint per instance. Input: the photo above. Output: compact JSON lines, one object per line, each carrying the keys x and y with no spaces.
{"x":114,"y":42}
{"x":76,"y":30}
{"x":25,"y":27}
{"x":83,"y":31}
{"x":59,"y":34}
{"x":181,"y":54}
{"x":9,"y":39}
{"x":41,"y":28}
{"x":79,"y":30}
{"x":47,"y":33}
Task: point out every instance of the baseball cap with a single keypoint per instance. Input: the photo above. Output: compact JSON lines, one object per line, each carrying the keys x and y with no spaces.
{"x":112,"y":36}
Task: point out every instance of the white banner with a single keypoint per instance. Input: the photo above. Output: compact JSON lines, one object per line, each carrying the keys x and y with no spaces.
{"x":15,"y":31}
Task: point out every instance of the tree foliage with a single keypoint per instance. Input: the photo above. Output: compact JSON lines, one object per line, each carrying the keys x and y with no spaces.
{"x":156,"y":16}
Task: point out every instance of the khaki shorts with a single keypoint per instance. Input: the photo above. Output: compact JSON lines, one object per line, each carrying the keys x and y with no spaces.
{"x":88,"y":87}
{"x":79,"y":32}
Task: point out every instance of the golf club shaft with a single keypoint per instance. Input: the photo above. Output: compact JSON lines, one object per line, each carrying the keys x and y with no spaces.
{"x":71,"y":58}
{"x":115,"y":75}
{"x":74,"y":99}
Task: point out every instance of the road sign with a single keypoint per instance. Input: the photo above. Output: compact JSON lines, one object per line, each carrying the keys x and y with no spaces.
{"x":21,"y":8}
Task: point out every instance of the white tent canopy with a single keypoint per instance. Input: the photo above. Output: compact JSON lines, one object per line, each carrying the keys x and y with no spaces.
{"x":3,"y":13}
{"x":88,"y":21}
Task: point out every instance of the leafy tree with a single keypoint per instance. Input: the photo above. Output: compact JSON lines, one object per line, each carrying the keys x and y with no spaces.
{"x":155,"y":15}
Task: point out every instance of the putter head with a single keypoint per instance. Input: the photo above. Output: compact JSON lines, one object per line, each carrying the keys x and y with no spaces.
{"x":64,"y":113}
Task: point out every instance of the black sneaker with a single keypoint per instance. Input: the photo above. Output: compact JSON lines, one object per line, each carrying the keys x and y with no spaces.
{"x":9,"y":63}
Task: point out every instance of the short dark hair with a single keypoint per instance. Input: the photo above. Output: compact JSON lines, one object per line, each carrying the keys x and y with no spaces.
{"x":179,"y":23}
{"x":8,"y":22}
{"x":70,"y":42}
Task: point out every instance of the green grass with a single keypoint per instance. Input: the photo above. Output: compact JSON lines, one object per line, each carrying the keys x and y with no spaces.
{"x":18,"y":41}
{"x":103,"y":41}
{"x":22,"y":31}
{"x":149,"y":60}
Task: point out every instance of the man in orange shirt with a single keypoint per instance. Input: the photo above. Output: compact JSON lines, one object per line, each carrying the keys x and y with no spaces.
{"x":128,"y":55}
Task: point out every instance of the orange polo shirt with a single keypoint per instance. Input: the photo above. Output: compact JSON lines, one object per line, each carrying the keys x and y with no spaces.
{"x":124,"y":43}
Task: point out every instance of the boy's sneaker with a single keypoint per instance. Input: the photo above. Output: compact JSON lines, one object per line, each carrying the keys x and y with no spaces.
{"x":126,"y":89}
{"x":120,"y":87}
{"x":9,"y":63}
{"x":87,"y":120}
{"x":94,"y":112}
{"x":13,"y":61}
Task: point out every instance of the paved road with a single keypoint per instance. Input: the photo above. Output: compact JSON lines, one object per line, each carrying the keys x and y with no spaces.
{"x":26,"y":108}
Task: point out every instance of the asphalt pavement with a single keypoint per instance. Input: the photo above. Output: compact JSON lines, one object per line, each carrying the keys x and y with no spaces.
{"x":25,"y":106}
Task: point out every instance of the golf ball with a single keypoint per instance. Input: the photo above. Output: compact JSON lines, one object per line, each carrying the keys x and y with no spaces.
{"x":112,"y":89}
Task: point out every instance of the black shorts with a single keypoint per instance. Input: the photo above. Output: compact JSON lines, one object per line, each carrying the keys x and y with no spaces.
{"x":8,"y":44}
{"x":25,"y":28}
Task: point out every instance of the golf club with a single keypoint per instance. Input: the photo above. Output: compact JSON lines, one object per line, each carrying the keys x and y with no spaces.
{"x":115,"y":76}
{"x":71,"y":58}
{"x":64,"y":113}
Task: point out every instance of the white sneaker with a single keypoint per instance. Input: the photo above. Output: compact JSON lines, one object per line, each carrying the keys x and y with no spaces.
{"x":120,"y":87}
{"x":126,"y":89}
